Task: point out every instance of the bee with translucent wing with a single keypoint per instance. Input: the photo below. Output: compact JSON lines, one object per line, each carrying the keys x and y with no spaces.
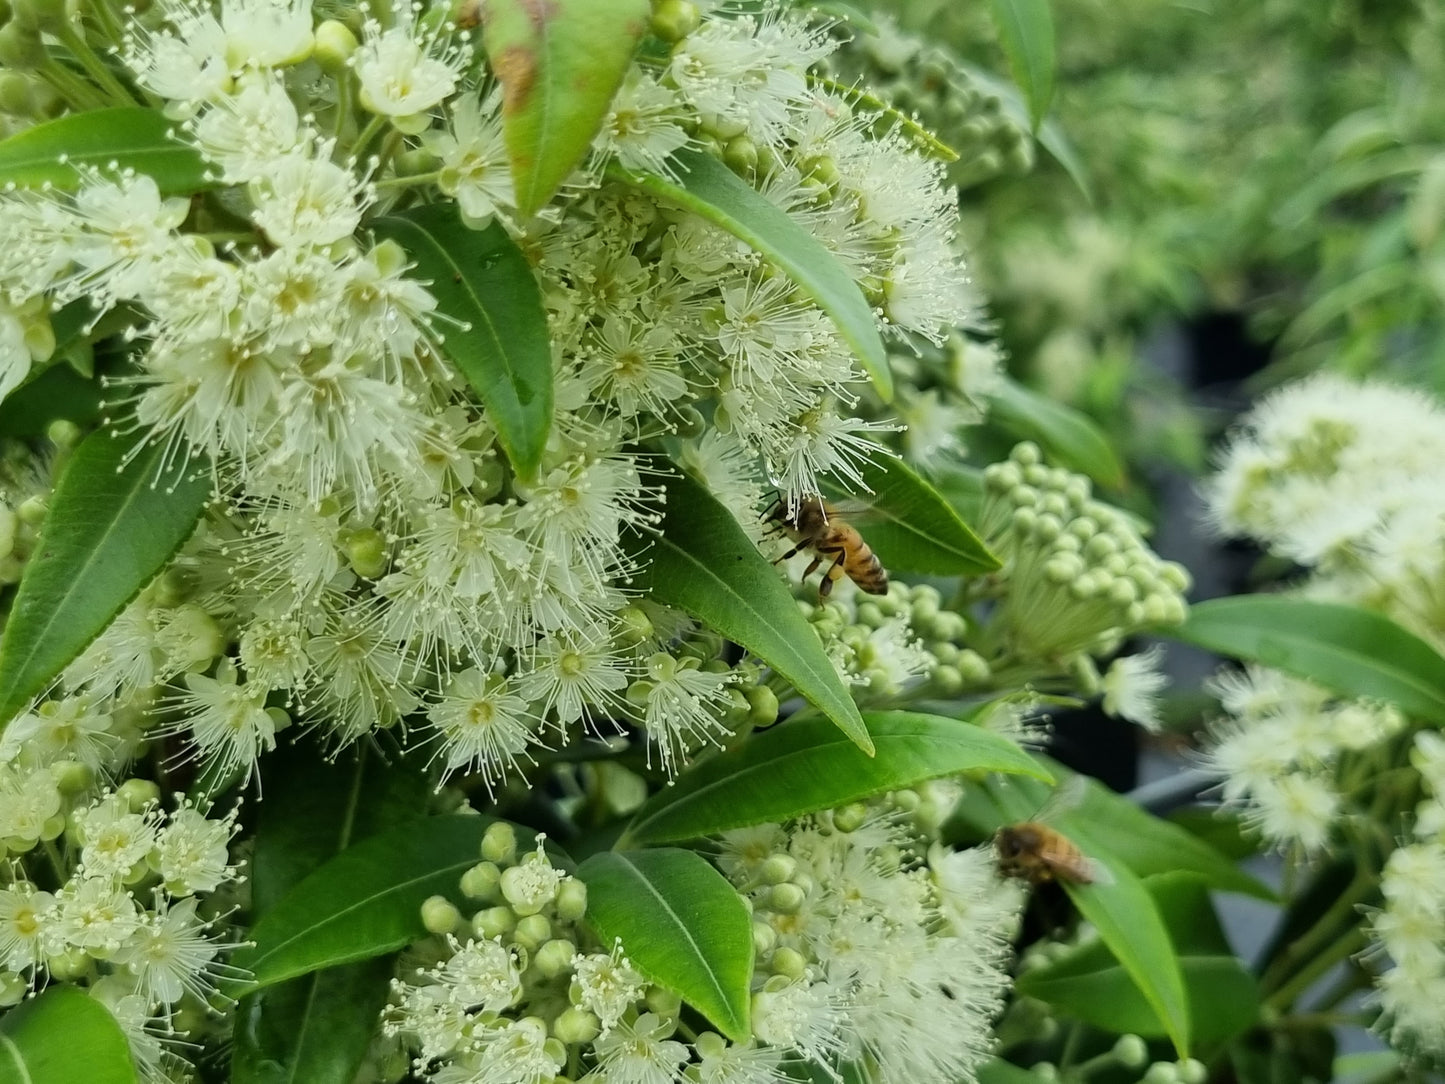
{"x":1035,"y":852}
{"x":815,"y":524}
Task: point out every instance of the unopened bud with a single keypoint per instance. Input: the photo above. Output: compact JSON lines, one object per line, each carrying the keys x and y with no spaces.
{"x":673,"y":20}
{"x":366,"y":553}
{"x":499,"y":844}
{"x":138,"y":794}
{"x":571,"y":901}
{"x":576,"y":1026}
{"x":440,"y":915}
{"x":493,"y":922}
{"x":554,"y":958}
{"x":481,"y":882}
{"x":788,"y":962}
{"x":786,"y":898}
{"x":532,"y":931}
{"x":663,"y":1001}
{"x":335,"y":43}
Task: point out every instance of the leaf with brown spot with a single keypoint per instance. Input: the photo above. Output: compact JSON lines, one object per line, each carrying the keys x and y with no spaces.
{"x":559,"y":62}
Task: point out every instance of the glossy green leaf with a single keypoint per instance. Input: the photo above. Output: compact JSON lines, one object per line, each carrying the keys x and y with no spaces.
{"x":713,"y":192}
{"x":1091,"y":985}
{"x":127,"y":138}
{"x":559,"y":62}
{"x":1068,"y":436}
{"x":1352,"y":651}
{"x":912,"y":527}
{"x":113,"y":524}
{"x":703,"y":563}
{"x":682,"y":925}
{"x":1145,"y":844}
{"x":316,"y":1029}
{"x":1129,"y":923}
{"x":63,"y":1036}
{"x":1026,"y":31}
{"x":367,"y":900}
{"x":481,"y":279}
{"x":805,"y":765}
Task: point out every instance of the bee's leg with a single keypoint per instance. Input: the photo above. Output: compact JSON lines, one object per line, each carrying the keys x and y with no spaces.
{"x":799,"y":548}
{"x":809,"y":570}
{"x":833,"y":574}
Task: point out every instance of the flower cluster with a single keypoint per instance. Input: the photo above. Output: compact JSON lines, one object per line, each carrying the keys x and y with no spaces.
{"x":1081,"y":577}
{"x":1279,"y":750}
{"x":374,"y":556}
{"x":872,"y":947}
{"x":130,"y":919}
{"x":1410,"y":928}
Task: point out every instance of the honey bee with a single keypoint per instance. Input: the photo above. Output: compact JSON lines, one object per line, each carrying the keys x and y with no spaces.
{"x":1037,"y":853}
{"x":814,"y":524}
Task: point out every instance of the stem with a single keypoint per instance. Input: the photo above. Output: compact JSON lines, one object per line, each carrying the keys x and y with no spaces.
{"x":389,"y":146}
{"x":81,"y":50}
{"x":373,"y":126}
{"x":65,"y":83}
{"x":1071,"y":1046}
{"x":343,"y":105}
{"x":1303,"y":979}
{"x":56,"y":862}
{"x":408,"y":182}
{"x":1355,"y":978}
{"x":1305,"y":947}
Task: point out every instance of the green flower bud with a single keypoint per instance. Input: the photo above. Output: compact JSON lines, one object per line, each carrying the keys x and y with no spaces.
{"x":70,"y":965}
{"x":1131,"y":1051}
{"x":851,"y":817}
{"x":15,"y":96}
{"x":741,"y":155}
{"x":13,"y":988}
{"x":367,"y":553}
{"x":1191,"y":1071}
{"x":32,"y":510}
{"x":973,"y":666}
{"x":1026,"y":454}
{"x":1045,"y":1070}
{"x":765,"y":938}
{"x":786,"y":899}
{"x":673,"y":20}
{"x":71,"y":777}
{"x":481,"y":882}
{"x":950,"y":626}
{"x":493,"y":922}
{"x":554,"y":958}
{"x":499,"y":844}
{"x":789,"y":962}
{"x":63,"y":433}
{"x":532,"y":931}
{"x":335,"y":44}
{"x":870,"y":614}
{"x":664,"y":1002}
{"x":778,"y":869}
{"x":947,"y":680}
{"x":1123,"y":592}
{"x":633,"y":626}
{"x":439,"y":915}
{"x":763,"y":705}
{"x":576,"y":1026}
{"x":138,"y":794}
{"x":571,"y":902}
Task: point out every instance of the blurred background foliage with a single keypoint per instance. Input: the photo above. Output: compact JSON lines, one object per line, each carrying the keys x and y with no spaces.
{"x":1259,"y":183}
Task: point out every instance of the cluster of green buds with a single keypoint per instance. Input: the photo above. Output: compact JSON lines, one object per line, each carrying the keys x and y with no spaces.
{"x":1077,"y":576}
{"x":904,"y":641}
{"x":964,"y":106}
{"x":514,"y":977}
{"x":25,"y":491}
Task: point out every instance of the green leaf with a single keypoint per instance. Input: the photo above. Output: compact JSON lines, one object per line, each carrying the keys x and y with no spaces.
{"x":62,"y":1037}
{"x":559,"y":63}
{"x":1090,"y":984}
{"x":713,"y":192}
{"x":1070,"y":437}
{"x":998,"y":1071}
{"x":1104,"y":820}
{"x":481,"y":279}
{"x":57,"y":392}
{"x":682,"y":926}
{"x":1129,"y":923}
{"x":367,"y":900}
{"x":113,"y":524}
{"x":1026,"y":30}
{"x":912,"y":528}
{"x":126,"y":138}
{"x":805,"y":765}
{"x":1355,"y":652}
{"x":317,"y":1028}
{"x":703,"y":563}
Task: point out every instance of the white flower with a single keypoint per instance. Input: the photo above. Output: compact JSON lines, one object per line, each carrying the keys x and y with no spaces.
{"x":247,"y":131}
{"x":576,"y":673}
{"x":266,"y":33}
{"x":1132,"y":685}
{"x":640,"y":1052}
{"x":532,"y":883}
{"x":519,"y":1052}
{"x":802,"y":1016}
{"x":740,"y":1064}
{"x":644,"y":125}
{"x":170,"y":955}
{"x":682,"y":708}
{"x":24,"y":910}
{"x":302,"y":200}
{"x":186,"y":66}
{"x":483,"y":726}
{"x":29,"y":806}
{"x":481,"y":975}
{"x":607,"y":985}
{"x":1295,"y":808}
{"x":92,"y":914}
{"x":398,"y":73}
{"x":228,"y":721}
{"x":69,"y":729}
{"x":115,"y":839}
{"x":127,"y":229}
{"x":474,"y":164}
{"x":191,"y":852}
{"x":971,"y":894}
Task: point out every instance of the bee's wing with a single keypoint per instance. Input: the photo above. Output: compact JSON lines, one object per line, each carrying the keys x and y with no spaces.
{"x":1067,"y":796}
{"x":856,"y":510}
{"x":1098,"y":872}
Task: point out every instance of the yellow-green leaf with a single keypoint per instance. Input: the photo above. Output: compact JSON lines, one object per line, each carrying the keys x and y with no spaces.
{"x":56,"y":152}
{"x":559,"y":63}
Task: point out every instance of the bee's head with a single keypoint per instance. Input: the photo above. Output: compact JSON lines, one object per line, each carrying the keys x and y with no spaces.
{"x":1015,"y":840}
